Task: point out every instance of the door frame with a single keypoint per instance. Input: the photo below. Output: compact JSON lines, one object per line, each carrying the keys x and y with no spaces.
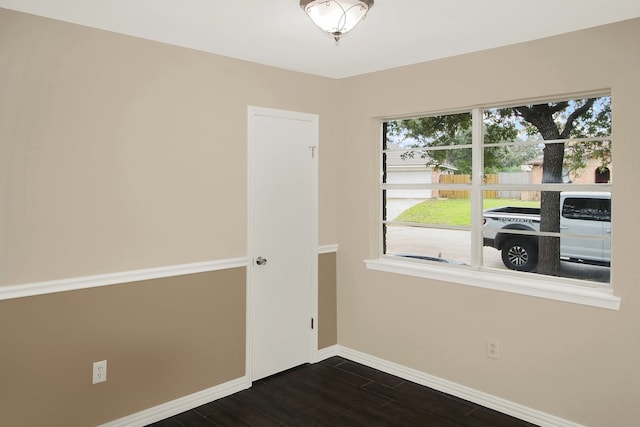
{"x":253,"y":111}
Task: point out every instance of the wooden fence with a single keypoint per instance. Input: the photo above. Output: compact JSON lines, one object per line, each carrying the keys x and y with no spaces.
{"x":465,"y":179}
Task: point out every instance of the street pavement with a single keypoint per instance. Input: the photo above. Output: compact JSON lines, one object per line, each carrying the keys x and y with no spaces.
{"x":455,"y":245}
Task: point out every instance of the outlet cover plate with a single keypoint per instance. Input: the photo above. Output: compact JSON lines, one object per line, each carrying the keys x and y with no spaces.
{"x":493,"y":349}
{"x":99,"y":371}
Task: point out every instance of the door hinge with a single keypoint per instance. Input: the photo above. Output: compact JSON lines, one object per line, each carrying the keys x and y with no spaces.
{"x":313,"y":151}
{"x":312,"y":323}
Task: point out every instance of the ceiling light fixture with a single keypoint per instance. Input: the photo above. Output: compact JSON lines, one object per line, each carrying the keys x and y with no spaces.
{"x":336,"y":17}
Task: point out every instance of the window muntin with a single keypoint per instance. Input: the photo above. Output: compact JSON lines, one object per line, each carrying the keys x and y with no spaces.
{"x":419,"y":179}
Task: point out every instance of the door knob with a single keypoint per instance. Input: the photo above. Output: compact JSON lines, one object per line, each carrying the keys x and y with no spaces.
{"x":261,"y":261}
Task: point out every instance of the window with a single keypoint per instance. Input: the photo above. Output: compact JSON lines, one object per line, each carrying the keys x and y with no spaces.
{"x":508,"y":190}
{"x":587,"y":208}
{"x":602,"y":175}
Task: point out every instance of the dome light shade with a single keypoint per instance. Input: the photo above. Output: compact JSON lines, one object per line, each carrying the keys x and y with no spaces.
{"x":336,"y":17}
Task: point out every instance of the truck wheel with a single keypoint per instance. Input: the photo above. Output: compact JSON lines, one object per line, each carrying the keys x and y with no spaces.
{"x":520,"y":254}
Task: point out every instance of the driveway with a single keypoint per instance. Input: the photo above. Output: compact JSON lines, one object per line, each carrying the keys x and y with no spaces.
{"x":441,"y":243}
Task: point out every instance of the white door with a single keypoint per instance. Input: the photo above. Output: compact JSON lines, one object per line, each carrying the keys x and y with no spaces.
{"x":282,"y":276}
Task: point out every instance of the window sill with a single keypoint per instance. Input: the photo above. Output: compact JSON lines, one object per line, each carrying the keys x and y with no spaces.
{"x":522,"y":284}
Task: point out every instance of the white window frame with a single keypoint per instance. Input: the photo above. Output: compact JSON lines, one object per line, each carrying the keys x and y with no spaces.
{"x":531,"y":284}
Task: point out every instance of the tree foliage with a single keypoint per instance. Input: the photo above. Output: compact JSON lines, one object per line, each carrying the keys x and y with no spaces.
{"x":435,"y":132}
{"x":432,"y":138}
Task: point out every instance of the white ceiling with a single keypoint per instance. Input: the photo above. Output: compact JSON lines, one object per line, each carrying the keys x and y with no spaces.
{"x":278,"y":32}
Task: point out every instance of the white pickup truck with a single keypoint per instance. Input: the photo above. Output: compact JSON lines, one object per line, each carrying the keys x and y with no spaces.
{"x":585,"y":214}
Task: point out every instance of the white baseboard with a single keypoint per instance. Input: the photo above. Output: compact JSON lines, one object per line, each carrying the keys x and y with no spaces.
{"x":175,"y":407}
{"x":478,"y":397}
{"x":186,"y":403}
{"x":194,"y":400}
{"x":326,"y":353}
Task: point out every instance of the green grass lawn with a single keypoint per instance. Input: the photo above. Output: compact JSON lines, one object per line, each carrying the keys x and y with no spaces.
{"x":453,"y":211}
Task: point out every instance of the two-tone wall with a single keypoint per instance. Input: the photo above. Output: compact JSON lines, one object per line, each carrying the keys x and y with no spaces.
{"x":162,"y":339}
{"x":576,"y":362}
{"x":119,"y":154}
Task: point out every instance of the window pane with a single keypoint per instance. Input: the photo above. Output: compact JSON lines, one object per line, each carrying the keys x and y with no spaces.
{"x":521,"y":159}
{"x":440,"y":244}
{"x":573,"y":133}
{"x":584,"y":162}
{"x":582,"y":227}
{"x":441,"y":212}
{"x":399,"y":202}
{"x":428,"y":142}
{"x":431,"y":244}
{"x":419,"y":166}
{"x":430,"y":131}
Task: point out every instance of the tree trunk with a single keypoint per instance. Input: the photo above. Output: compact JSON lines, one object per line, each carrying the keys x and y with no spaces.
{"x":549,"y":247}
{"x":541,"y":116}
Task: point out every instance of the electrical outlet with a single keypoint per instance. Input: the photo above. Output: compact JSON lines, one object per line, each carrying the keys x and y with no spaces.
{"x":99,"y":371}
{"x":493,"y":349}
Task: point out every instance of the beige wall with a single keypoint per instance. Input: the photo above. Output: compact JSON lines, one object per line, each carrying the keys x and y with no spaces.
{"x":572,"y":361}
{"x":106,"y":139}
{"x":162,"y":339}
{"x":118,"y":153}
{"x":327,"y":301}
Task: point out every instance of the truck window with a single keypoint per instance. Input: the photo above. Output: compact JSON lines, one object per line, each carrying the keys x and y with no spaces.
{"x":587,"y":209}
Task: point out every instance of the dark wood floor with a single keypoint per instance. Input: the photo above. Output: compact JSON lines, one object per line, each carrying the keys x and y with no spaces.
{"x":338,"y":392}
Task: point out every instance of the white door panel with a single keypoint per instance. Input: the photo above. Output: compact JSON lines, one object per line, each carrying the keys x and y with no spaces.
{"x":282,"y":230}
